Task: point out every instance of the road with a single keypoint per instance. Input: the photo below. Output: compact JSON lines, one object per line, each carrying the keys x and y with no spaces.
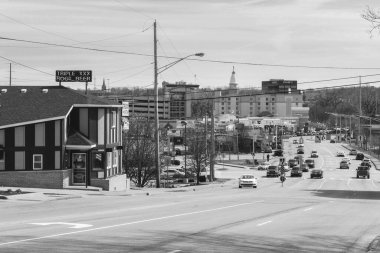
{"x":338,"y":213}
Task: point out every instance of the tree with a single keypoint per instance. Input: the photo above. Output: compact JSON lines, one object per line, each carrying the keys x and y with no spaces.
{"x":139,"y":150}
{"x":373,"y":17}
{"x":198,"y":158}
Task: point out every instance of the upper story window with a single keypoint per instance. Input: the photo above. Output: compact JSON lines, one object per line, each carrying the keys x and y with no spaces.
{"x":113,"y":119}
{"x":2,"y":155}
{"x":20,"y":136}
{"x":39,"y":135}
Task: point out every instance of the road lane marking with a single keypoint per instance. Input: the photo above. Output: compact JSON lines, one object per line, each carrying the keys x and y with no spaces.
{"x":175,"y":251}
{"x":262,"y":224}
{"x":320,"y":186}
{"x":131,"y":223}
{"x":72,"y":225}
{"x":308,"y":209}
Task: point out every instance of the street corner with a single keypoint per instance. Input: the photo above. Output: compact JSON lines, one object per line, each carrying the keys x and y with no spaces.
{"x":10,"y":194}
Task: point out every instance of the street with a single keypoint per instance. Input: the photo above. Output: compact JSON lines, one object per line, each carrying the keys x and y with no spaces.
{"x":338,"y":213}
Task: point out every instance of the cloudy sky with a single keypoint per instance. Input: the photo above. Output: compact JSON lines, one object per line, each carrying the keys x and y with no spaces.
{"x":255,"y":36}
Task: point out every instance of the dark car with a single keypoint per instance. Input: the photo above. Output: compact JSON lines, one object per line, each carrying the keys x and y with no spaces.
{"x":300,"y":151}
{"x":359,"y":156}
{"x":366,"y":163}
{"x":273,"y":171}
{"x":292,"y":162}
{"x":296,"y":172}
{"x":332,"y":141}
{"x":362,"y":171}
{"x":318,"y":173}
{"x":310,"y":163}
{"x":267,"y":150}
{"x":278,"y":152}
{"x":304,"y":167}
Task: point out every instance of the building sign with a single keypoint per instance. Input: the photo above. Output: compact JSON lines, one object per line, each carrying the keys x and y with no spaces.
{"x":73,"y":75}
{"x":125,"y":110}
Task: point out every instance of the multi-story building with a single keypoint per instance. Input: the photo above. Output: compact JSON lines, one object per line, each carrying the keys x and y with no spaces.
{"x":54,"y":137}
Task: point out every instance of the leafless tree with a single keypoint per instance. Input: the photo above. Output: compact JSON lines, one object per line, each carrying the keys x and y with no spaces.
{"x":373,"y":17}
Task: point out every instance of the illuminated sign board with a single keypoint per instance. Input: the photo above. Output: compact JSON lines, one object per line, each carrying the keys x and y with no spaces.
{"x":73,"y":75}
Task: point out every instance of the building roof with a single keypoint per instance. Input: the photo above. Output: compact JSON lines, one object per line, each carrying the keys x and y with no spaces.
{"x":28,"y":104}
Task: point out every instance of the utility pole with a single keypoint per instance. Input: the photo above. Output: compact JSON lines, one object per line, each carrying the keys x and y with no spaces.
{"x":360,"y":104}
{"x":212,"y":153}
{"x":156,"y":127}
{"x":10,"y":74}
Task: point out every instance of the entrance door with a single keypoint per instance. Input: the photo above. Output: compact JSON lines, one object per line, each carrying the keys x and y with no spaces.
{"x":79,"y":166}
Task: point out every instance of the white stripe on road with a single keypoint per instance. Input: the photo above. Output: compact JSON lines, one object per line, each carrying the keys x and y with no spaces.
{"x":320,"y":186}
{"x":130,"y":223}
{"x":308,"y":209}
{"x":261,"y":224}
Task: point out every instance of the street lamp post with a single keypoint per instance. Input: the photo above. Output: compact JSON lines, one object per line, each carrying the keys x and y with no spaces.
{"x":156,"y":118}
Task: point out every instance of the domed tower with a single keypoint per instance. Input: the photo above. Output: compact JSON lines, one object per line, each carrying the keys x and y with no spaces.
{"x":233,"y":84}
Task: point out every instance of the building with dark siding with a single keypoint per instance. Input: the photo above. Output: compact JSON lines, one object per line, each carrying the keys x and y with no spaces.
{"x":54,"y":137}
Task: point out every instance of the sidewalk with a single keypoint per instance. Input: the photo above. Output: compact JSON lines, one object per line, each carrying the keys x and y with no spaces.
{"x":375,"y":160}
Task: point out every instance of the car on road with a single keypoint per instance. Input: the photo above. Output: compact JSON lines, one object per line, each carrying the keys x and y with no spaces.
{"x":353,"y":152}
{"x":267,"y":150}
{"x":296,"y":172}
{"x":332,"y":141}
{"x":300,"y":151}
{"x":247,"y":180}
{"x":263,"y":166}
{"x":362,"y":171}
{"x":340,"y":154}
{"x":359,"y":156}
{"x":314,"y":154}
{"x":273,"y":171}
{"x":301,"y":146}
{"x":347,"y":159}
{"x":318,"y":173}
{"x":310,"y":163}
{"x":295,"y":141}
{"x":344,"y":165}
{"x":292,"y":162}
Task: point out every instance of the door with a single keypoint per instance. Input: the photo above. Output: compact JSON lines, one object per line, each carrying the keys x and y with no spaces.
{"x":79,"y":166}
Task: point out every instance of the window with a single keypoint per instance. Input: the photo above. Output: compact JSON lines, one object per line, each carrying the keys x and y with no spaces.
{"x":20,"y":136}
{"x":19,"y":160}
{"x":2,"y":153}
{"x":37,"y":162}
{"x":39,"y":135}
{"x":57,"y":160}
{"x":266,"y":103}
{"x":272,"y":99}
{"x":266,"y":99}
{"x":97,"y":161}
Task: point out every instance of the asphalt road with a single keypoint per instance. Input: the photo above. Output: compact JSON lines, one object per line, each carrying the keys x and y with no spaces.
{"x":338,"y":213}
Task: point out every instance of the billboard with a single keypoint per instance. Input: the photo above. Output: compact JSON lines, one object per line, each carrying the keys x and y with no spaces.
{"x":125,"y":110}
{"x":73,"y":75}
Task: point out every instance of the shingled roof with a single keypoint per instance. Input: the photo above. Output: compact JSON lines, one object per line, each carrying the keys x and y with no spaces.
{"x":23,"y":104}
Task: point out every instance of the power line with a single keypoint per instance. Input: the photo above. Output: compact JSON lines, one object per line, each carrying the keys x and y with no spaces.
{"x":26,"y":66}
{"x":192,"y":59}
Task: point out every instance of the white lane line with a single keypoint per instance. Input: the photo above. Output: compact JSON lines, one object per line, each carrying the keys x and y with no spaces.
{"x":131,"y":223}
{"x":320,"y":186}
{"x":175,"y":251}
{"x":308,"y":209}
{"x":262,"y":224}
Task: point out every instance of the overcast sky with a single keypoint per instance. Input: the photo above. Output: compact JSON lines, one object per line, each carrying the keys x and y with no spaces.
{"x":314,"y":33}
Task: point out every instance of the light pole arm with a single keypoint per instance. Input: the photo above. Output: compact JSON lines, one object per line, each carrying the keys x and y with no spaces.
{"x":169,"y":65}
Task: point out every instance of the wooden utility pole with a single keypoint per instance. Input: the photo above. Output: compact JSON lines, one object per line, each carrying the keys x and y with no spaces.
{"x":156,"y":127}
{"x":212,"y":146}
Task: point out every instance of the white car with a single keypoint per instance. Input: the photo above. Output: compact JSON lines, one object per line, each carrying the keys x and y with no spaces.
{"x":340,"y":154}
{"x":172,"y":172}
{"x":263,"y":166}
{"x":347,"y":159}
{"x":248,"y":180}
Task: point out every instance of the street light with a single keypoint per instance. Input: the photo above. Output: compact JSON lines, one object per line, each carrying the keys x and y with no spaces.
{"x":156,"y":119}
{"x":184,"y":123}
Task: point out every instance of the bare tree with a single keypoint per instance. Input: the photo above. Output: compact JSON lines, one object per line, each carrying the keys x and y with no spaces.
{"x":139,"y":150}
{"x":373,"y":17}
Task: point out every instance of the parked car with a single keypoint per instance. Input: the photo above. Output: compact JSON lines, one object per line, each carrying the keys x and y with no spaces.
{"x":278,"y":152}
{"x":273,"y":171}
{"x":362,"y":171}
{"x":332,"y":141}
{"x":340,"y":154}
{"x":292,"y":162}
{"x":353,"y":152}
{"x":359,"y":156}
{"x":172,"y":173}
{"x":318,"y":173}
{"x":310,"y":163}
{"x":304,"y":167}
{"x":263,"y":166}
{"x":344,"y":165}
{"x":267,"y":150}
{"x":300,"y":151}
{"x":314,"y":154}
{"x":296,"y":172}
